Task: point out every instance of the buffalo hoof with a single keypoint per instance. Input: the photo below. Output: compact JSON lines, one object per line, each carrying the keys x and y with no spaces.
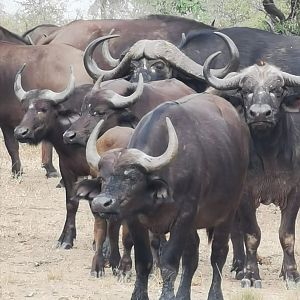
{"x":237,"y":275}
{"x":292,"y":284}
{"x":124,"y":277}
{"x":98,"y":274}
{"x":64,"y":245}
{"x":167,"y":296}
{"x":257,"y":284}
{"x":65,"y":241}
{"x":53,"y":174}
{"x":139,"y":295}
{"x":97,"y":266}
{"x":245,"y":283}
{"x":17,"y":174}
{"x":60,"y":184}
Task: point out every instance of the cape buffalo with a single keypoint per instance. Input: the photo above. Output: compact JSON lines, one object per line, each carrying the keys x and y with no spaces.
{"x":261,"y":92}
{"x":193,"y":179}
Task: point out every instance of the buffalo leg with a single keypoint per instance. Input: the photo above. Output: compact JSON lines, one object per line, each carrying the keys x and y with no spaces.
{"x":100,"y":228}
{"x":125,"y":265}
{"x":12,"y":147}
{"x":190,"y":258}
{"x":113,"y":234}
{"x":68,"y":234}
{"x":143,"y":259}
{"x":287,"y":240}
{"x":237,"y":238}
{"x":218,"y":257}
{"x":47,"y":164}
{"x":252,"y":237}
{"x":172,"y":252}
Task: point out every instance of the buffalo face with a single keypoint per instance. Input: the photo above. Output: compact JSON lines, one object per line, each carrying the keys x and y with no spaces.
{"x":262,"y":90}
{"x":36,"y":122}
{"x":262,"y":101}
{"x":128,"y":183}
{"x":151,"y":70}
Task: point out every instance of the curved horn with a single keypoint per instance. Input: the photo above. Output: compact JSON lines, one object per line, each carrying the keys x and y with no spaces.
{"x":92,"y":156}
{"x":169,"y":52}
{"x":234,"y":62}
{"x":291,"y":80}
{"x":106,"y":53}
{"x":119,"y":101}
{"x":183,"y":41}
{"x":61,"y":96}
{"x":89,"y":63}
{"x":19,"y":91}
{"x":229,"y":83}
{"x":97,"y":84}
{"x":151,"y":163}
{"x":30,"y":39}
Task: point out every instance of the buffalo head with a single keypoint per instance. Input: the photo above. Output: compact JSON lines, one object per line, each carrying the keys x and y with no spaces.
{"x":155,"y":60}
{"x":261,"y":90}
{"x":40,"y":109}
{"x":127,"y":175}
{"x":104,"y":104}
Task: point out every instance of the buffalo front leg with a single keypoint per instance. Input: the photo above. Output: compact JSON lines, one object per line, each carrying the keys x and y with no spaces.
{"x":47,"y":164}
{"x":113,"y":234}
{"x":143,"y":259}
{"x":125,"y":266}
{"x":237,"y":239}
{"x":12,"y":147}
{"x":218,"y":257}
{"x":68,"y":234}
{"x":252,"y":235}
{"x":100,"y":228}
{"x":173,"y":250}
{"x":287,"y":239}
{"x":190,"y":258}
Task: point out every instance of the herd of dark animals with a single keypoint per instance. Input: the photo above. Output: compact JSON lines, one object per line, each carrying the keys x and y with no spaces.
{"x":175,"y":138}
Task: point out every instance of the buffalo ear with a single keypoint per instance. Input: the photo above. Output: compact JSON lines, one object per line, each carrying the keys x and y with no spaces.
{"x":160,"y":191}
{"x":87,"y":189}
{"x":291,"y":103}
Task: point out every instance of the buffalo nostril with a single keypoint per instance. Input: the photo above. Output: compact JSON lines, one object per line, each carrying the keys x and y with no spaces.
{"x":268,"y":113}
{"x":252,"y":113}
{"x":21,"y":131}
{"x":69,"y":135}
{"x":108,"y":203}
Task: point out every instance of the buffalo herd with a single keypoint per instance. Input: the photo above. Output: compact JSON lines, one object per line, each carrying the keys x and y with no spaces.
{"x":175,"y":125}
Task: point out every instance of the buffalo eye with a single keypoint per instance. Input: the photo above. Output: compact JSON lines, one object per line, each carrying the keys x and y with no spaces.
{"x":43,"y":110}
{"x":158,"y":65}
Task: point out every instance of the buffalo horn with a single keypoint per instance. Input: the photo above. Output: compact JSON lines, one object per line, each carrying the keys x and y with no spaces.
{"x":89,"y":63}
{"x":119,"y":101}
{"x":19,"y":91}
{"x":61,"y":96}
{"x":106,"y":53}
{"x":229,"y":83}
{"x":46,"y":94}
{"x":291,"y":80}
{"x":92,"y":156}
{"x":151,"y":163}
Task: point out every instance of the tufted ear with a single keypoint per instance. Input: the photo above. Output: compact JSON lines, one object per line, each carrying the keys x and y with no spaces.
{"x":291,"y":103}
{"x":160,"y":191}
{"x":87,"y":189}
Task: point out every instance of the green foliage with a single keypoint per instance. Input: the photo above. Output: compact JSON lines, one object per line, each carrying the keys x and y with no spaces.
{"x":35,"y":12}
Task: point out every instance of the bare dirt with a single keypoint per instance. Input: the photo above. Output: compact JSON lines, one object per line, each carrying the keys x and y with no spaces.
{"x":32,"y":213}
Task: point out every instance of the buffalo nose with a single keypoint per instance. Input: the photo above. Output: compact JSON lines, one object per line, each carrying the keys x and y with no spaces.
{"x":260,"y":110}
{"x":103,"y":204}
{"x":21,"y":132}
{"x":69,"y":135}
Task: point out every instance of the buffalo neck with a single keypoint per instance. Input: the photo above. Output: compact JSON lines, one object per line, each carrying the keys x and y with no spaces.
{"x":278,"y":145}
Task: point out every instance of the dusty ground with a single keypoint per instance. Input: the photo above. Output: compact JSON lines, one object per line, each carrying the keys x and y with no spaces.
{"x":32,"y":213}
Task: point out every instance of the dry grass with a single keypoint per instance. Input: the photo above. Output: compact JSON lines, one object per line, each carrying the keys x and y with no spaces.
{"x":32,"y":215}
